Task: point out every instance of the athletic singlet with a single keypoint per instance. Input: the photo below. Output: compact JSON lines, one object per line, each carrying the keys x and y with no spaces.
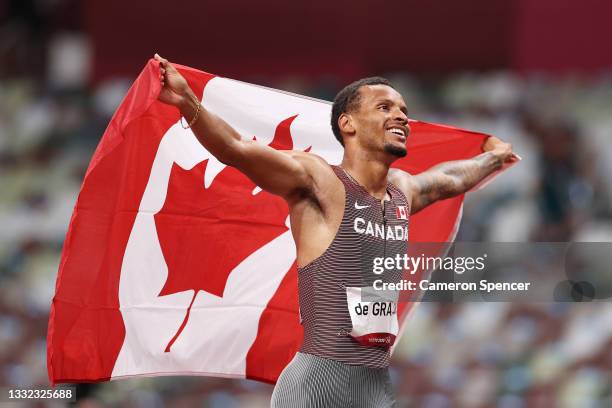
{"x":364,"y":234}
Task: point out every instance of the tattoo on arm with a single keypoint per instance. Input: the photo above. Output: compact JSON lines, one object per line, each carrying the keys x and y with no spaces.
{"x":452,"y":178}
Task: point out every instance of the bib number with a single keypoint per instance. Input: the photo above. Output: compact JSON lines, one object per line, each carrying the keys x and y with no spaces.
{"x":375,"y":323}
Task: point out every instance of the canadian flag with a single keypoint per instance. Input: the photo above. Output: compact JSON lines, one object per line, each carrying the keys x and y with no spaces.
{"x":175,"y":264}
{"x":400,"y":212}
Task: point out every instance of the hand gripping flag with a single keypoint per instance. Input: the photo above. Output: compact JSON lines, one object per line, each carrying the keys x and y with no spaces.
{"x":175,"y":264}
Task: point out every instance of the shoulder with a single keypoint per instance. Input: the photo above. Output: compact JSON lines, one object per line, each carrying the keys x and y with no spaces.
{"x":326,"y":187}
{"x":305,"y":157}
{"x":323,"y":180}
{"x":402,"y":180}
{"x":314,"y":164}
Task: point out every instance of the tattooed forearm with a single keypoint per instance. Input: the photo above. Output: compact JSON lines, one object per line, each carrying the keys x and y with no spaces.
{"x":468,"y":173}
{"x":452,"y":178}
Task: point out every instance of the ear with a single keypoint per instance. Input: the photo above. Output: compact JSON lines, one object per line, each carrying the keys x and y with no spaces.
{"x":345,"y":123}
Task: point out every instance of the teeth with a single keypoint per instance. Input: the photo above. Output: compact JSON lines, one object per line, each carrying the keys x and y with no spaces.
{"x":397,"y":131}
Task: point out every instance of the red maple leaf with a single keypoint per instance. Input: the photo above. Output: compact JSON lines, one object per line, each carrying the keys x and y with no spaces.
{"x":205,"y":233}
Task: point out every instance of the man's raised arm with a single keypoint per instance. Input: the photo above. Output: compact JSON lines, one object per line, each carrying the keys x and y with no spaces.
{"x":452,"y":178}
{"x":281,"y":173}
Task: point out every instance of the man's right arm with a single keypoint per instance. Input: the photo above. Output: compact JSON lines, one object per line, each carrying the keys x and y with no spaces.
{"x":278,"y":172}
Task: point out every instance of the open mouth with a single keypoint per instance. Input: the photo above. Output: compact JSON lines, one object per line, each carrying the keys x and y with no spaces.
{"x":397,"y":131}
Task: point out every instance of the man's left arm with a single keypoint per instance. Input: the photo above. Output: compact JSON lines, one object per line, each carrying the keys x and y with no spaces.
{"x":453,"y":178}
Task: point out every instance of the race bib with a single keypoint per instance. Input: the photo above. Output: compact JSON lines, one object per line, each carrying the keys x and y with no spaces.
{"x":374,"y":322}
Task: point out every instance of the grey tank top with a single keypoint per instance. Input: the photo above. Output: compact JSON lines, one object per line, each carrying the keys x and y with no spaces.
{"x":365,"y":233}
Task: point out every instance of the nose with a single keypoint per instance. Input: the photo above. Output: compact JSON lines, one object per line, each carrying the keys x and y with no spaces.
{"x":400,"y":116}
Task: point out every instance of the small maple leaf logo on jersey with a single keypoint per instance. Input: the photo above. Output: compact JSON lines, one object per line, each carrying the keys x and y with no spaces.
{"x":205,"y":233}
{"x":400,"y":212}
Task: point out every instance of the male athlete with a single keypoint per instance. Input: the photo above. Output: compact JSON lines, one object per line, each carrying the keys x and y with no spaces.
{"x":341,"y":218}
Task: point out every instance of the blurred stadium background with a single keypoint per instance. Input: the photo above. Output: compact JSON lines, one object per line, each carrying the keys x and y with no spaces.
{"x":536,"y":73}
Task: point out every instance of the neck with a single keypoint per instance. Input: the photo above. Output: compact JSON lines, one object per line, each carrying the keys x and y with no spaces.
{"x":368,"y":171}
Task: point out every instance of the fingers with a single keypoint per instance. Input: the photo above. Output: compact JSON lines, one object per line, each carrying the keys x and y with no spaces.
{"x":164,"y":67}
{"x":164,"y":64}
{"x":161,"y":60}
{"x":512,"y":158}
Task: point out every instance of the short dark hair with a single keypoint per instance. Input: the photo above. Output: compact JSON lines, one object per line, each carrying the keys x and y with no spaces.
{"x":348,"y":100}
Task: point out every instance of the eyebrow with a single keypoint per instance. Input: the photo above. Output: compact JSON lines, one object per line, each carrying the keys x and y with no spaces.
{"x":403,"y":108}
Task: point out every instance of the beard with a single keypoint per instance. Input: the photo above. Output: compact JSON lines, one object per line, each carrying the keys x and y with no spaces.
{"x":397,"y":151}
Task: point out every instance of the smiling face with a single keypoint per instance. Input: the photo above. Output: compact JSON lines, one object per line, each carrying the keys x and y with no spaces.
{"x":380,"y":122}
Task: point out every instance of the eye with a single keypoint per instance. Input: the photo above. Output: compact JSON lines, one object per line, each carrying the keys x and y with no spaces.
{"x":384,"y":106}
